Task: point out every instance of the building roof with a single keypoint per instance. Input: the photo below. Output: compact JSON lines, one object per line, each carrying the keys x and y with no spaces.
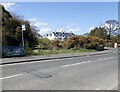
{"x":63,"y":34}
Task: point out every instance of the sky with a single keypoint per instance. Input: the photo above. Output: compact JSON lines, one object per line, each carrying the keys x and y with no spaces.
{"x":76,"y":17}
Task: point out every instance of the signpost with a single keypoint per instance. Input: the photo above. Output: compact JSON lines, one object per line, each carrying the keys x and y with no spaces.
{"x":23,"y":29}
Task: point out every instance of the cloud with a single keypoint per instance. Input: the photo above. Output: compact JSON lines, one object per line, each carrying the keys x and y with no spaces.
{"x":91,"y":28}
{"x":61,"y":30}
{"x":73,"y":28}
{"x":44,"y":31}
{"x":102,"y":26}
{"x":8,"y":6}
{"x":36,"y":23}
{"x":41,"y":26}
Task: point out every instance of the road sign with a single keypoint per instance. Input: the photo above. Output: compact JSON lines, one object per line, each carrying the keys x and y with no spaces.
{"x":23,"y":27}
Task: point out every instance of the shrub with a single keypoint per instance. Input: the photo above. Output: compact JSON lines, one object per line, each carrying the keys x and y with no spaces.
{"x":78,"y":42}
{"x":55,"y":44}
{"x":29,"y":51}
{"x":43,"y":43}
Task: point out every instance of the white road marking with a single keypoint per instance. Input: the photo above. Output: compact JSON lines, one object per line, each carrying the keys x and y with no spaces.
{"x":100,"y":59}
{"x":105,"y":58}
{"x":85,"y":62}
{"x":88,"y":61}
{"x":108,"y":57}
{"x":76,"y":64}
{"x":97,"y":88}
{"x":10,"y":76}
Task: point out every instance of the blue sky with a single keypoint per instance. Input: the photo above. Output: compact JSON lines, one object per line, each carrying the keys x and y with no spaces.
{"x":77,"y":17}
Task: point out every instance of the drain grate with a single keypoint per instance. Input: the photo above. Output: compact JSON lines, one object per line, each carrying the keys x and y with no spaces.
{"x":38,"y":74}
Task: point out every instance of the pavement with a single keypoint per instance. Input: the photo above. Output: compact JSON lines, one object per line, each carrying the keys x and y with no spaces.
{"x":96,"y":71}
{"x":52,"y":56}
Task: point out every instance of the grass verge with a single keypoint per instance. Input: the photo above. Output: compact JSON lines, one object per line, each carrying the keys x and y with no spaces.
{"x":61,"y":51}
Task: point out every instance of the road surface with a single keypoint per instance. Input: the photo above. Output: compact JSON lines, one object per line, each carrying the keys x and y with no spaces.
{"x":96,"y":72}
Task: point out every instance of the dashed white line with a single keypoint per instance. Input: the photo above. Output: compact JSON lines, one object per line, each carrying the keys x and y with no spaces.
{"x":88,"y":61}
{"x":76,"y":64}
{"x":97,"y":88}
{"x":108,"y":57}
{"x":105,"y":58}
{"x":10,"y":76}
{"x":100,"y":59}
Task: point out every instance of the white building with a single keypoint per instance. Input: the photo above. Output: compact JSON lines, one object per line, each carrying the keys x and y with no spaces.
{"x":59,"y":35}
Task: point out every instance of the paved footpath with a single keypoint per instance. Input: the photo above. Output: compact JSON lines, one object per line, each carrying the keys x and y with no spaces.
{"x":52,"y":56}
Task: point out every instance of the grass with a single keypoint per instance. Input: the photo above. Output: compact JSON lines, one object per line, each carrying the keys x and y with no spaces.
{"x":61,"y":51}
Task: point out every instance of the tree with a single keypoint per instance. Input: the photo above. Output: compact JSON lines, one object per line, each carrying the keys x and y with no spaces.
{"x":9,"y":27}
{"x":11,"y":31}
{"x":112,"y":27}
{"x":99,"y":32}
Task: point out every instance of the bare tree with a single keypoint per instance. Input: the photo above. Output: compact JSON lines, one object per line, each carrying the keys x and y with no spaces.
{"x":112,"y":27}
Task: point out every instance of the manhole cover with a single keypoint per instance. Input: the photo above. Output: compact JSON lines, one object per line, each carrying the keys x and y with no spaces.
{"x":38,"y":74}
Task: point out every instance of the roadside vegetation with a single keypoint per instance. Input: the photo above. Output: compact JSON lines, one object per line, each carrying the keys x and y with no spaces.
{"x":61,"y":51}
{"x":12,"y":36}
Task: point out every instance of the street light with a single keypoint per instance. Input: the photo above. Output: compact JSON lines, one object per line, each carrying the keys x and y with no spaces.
{"x":23,"y":29}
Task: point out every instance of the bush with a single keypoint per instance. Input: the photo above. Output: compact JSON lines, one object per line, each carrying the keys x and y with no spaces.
{"x":78,"y":42}
{"x":29,"y":51}
{"x":55,"y":44}
{"x":43,"y":44}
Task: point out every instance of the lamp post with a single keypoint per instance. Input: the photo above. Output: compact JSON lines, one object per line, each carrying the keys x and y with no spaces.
{"x":23,"y":29}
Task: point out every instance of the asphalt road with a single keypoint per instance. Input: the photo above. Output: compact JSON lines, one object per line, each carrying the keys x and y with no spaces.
{"x":97,"y":72}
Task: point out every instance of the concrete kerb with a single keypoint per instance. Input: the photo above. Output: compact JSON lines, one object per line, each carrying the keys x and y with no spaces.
{"x":50,"y":58}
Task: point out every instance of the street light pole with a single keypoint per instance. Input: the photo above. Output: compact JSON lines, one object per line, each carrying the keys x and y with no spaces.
{"x":23,"y":29}
{"x":22,"y":39}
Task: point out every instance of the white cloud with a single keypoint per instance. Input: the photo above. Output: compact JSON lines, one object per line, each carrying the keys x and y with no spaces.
{"x":44,"y":31}
{"x":36,"y":23}
{"x":7,"y":6}
{"x":61,"y":30}
{"x":43,"y":27}
{"x":102,"y":26}
{"x":73,"y":28}
{"x":91,"y":28}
